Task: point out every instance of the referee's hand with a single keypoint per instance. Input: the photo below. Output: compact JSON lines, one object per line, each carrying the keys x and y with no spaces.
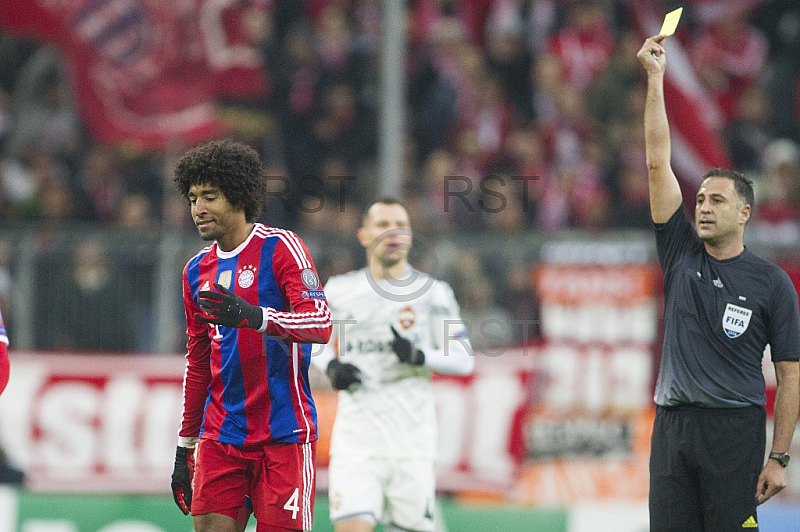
{"x":771,"y":481}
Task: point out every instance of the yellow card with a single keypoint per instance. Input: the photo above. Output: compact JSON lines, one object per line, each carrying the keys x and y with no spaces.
{"x":671,"y":22}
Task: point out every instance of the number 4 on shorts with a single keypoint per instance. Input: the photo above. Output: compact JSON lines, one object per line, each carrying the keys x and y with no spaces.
{"x":291,"y":504}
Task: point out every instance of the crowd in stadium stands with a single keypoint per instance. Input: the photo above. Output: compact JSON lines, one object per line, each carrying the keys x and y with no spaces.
{"x":539,"y":101}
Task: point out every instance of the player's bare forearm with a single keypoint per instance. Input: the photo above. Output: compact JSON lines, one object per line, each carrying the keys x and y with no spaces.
{"x":665,"y":192}
{"x":787,"y":401}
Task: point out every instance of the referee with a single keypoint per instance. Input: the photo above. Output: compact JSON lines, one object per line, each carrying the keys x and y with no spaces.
{"x":723,"y":306}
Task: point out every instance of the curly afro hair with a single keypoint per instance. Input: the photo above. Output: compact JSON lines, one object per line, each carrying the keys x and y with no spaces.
{"x":232,"y":167}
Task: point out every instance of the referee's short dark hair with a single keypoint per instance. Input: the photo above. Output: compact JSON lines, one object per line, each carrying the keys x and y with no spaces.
{"x":742,"y":184}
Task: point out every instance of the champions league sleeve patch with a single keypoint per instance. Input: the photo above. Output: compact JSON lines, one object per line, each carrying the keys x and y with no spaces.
{"x":310,"y":279}
{"x":312,"y":294}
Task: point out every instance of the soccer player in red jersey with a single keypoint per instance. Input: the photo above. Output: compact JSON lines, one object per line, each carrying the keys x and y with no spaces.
{"x":253,"y":306}
{"x":4,"y":365}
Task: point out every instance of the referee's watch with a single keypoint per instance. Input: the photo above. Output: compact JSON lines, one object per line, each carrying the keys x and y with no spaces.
{"x":782,"y":458}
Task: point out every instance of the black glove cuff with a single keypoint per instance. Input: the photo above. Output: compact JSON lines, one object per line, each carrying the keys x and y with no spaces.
{"x":181,"y":456}
{"x":255,"y":317}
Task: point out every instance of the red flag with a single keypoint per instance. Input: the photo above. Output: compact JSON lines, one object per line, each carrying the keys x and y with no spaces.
{"x":142,"y":71}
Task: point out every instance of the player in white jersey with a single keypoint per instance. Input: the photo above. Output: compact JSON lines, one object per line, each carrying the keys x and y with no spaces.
{"x":393,"y":325}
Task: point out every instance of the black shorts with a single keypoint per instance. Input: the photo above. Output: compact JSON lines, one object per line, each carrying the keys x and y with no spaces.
{"x":704,"y":467}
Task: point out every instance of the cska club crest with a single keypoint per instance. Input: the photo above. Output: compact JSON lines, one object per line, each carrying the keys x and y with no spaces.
{"x":406,"y":317}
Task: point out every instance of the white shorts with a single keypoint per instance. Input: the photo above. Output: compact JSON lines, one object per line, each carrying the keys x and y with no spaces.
{"x":400,"y":492}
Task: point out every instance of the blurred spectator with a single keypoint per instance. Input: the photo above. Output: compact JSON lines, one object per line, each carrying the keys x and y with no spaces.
{"x":546,"y":84}
{"x":443,"y":86}
{"x":631,"y":207}
{"x":607,"y":100}
{"x":491,"y":120}
{"x":779,"y":188}
{"x":432,"y":206}
{"x":18,"y":189}
{"x":489,"y":325}
{"x":428,"y":16}
{"x":342,"y":131}
{"x":729,"y":55}
{"x":502,"y":204}
{"x":6,"y":279}
{"x":44,"y":106}
{"x":584,"y":44}
{"x":87,"y":308}
{"x":102,"y":184}
{"x":517,"y":296}
{"x":780,"y":22}
{"x":506,"y":55}
{"x":136,"y":214}
{"x":749,"y":132}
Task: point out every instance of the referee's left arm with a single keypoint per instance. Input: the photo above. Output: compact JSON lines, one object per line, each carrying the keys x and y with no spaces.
{"x":787,"y":403}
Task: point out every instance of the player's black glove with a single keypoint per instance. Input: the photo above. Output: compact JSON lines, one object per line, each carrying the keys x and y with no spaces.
{"x":182,"y":477}
{"x":343,"y":374}
{"x":228,"y":309}
{"x":405,"y":350}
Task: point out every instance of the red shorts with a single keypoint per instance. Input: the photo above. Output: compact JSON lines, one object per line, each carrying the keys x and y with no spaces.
{"x":279,"y":480}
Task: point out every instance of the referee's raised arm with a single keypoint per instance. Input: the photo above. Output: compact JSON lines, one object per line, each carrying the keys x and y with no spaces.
{"x":665,"y":193}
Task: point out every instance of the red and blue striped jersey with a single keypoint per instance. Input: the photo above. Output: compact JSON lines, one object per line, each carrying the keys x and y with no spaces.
{"x":248,"y":387}
{"x":4,"y":364}
{"x":3,"y":333}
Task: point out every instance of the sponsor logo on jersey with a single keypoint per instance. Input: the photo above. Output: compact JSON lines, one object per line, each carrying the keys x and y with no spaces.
{"x":225,"y":278}
{"x":310,"y":279}
{"x":406,"y":317}
{"x":206,"y":287}
{"x":312,"y":294}
{"x":735,"y":320}
{"x":246,"y":276}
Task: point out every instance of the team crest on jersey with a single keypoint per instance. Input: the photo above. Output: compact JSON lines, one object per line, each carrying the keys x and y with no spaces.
{"x":225,"y":278}
{"x":406,"y":317}
{"x":310,"y":279}
{"x":246,"y":276}
{"x":735,"y":320}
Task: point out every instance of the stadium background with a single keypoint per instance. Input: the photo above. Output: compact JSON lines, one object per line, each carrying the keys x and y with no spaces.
{"x":519,"y":153}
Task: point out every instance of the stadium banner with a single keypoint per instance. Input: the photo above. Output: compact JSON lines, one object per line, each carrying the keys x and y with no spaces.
{"x":148,"y":73}
{"x":549,"y":425}
{"x":108,"y":423}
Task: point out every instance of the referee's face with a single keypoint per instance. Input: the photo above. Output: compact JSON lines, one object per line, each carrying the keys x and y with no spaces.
{"x":719,"y":214}
{"x":386,"y":233}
